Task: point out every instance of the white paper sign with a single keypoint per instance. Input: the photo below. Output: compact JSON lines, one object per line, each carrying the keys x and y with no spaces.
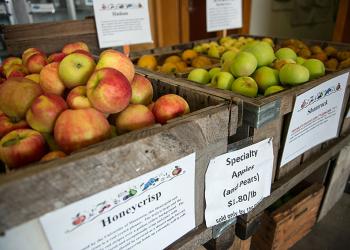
{"x":121,"y":22}
{"x":315,"y":117}
{"x":224,"y":14}
{"x":237,"y":181}
{"x":148,"y":212}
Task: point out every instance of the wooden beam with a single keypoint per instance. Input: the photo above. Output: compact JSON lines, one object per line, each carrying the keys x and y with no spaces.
{"x":342,"y":22}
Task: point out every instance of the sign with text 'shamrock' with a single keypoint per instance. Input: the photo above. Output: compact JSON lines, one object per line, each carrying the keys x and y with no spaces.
{"x":122,"y":22}
{"x":237,"y":181}
{"x":157,"y":207}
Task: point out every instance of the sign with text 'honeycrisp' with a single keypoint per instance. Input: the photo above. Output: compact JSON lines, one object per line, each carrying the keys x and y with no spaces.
{"x":237,"y":181}
{"x":121,"y":22}
{"x":148,"y":212}
{"x":224,"y":14}
{"x":315,"y":118}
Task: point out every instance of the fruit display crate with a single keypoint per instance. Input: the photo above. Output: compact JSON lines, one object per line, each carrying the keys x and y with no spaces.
{"x":285,"y":225}
{"x":269,"y":116}
{"x":31,"y":192}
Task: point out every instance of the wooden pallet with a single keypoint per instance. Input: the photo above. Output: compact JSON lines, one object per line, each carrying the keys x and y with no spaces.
{"x":285,"y":226}
{"x":43,"y":187}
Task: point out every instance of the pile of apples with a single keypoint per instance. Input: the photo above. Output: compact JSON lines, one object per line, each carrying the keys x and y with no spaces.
{"x":176,"y":63}
{"x":257,"y":68}
{"x":53,"y":106}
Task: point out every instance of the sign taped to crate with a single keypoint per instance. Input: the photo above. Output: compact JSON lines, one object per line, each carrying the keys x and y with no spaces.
{"x":155,"y":207}
{"x":315,"y":118}
{"x":237,"y":181}
{"x":223,"y":14}
{"x":122,"y":22}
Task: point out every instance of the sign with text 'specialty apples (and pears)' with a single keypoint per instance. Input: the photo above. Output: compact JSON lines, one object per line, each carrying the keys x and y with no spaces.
{"x":223,"y":14}
{"x":155,"y":207}
{"x":122,"y":22}
{"x":237,"y":181}
{"x":315,"y":118}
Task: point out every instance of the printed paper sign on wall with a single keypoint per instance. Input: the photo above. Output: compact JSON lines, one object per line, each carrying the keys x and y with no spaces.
{"x":237,"y":181}
{"x":224,"y":14}
{"x":315,"y":117}
{"x":121,"y":22}
{"x":155,"y":207}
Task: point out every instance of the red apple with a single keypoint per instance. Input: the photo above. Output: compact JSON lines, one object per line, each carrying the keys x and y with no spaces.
{"x":16,"y":70}
{"x":8,"y":62}
{"x":75,"y":129}
{"x":117,"y":60}
{"x":50,"y":82}
{"x":108,"y":90}
{"x":72,"y":47}
{"x":44,"y":111}
{"x":150,"y":106}
{"x":17,"y":95}
{"x":77,"y":98}
{"x":53,"y":155}
{"x":135,"y":116}
{"x":7,"y":125}
{"x":56,"y":57}
{"x":169,"y":106}
{"x":21,"y":147}
{"x":34,"y":60}
{"x":141,"y":90}
{"x":75,"y":69}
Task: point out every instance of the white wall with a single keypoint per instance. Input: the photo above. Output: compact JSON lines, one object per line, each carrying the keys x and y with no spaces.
{"x":267,"y":22}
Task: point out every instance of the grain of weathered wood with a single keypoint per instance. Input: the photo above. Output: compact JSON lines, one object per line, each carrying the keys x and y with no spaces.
{"x":336,"y":186}
{"x":239,"y":244}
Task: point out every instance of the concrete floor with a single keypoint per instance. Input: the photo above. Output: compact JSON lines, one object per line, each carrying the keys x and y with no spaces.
{"x":332,"y":232}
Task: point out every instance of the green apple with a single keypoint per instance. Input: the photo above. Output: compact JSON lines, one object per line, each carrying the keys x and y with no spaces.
{"x":213,"y":72}
{"x":278,"y":63}
{"x":222,"y":80}
{"x":266,"y":77}
{"x":245,"y":86}
{"x":199,"y":75}
{"x":316,"y":68}
{"x":294,"y":74}
{"x":214,"y":51}
{"x":286,"y":53}
{"x":244,"y":64}
{"x":225,"y":39}
{"x":229,"y":55}
{"x":199,"y":48}
{"x":299,"y":60}
{"x":273,"y":89}
{"x":75,"y":69}
{"x":262,"y":51}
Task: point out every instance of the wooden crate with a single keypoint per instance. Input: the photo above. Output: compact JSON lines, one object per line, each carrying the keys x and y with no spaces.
{"x":43,"y":187}
{"x":282,"y":228}
{"x":270,"y":116}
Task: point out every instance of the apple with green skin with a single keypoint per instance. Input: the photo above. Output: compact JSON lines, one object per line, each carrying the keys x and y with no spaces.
{"x":213,"y":72}
{"x":56,"y":57}
{"x":279,"y":63}
{"x":286,"y":53}
{"x":300,"y":60}
{"x":72,"y":47}
{"x":78,"y":128}
{"x":49,"y":80}
{"x":44,"y":111}
{"x":293,"y":74}
{"x":7,"y":125}
{"x":75,"y":69}
{"x":245,"y":86}
{"x":262,"y":51}
{"x":222,"y":80}
{"x":53,"y":155}
{"x":214,"y":51}
{"x":273,"y":89}
{"x":169,"y":106}
{"x":244,"y":64}
{"x":117,"y":60}
{"x":229,"y":55}
{"x":199,"y":75}
{"x":108,"y":90}
{"x":141,"y":90}
{"x":266,"y":77}
{"x":21,"y":147}
{"x":17,"y":95}
{"x":135,"y":116}
{"x":316,"y":68}
{"x":77,"y":98}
